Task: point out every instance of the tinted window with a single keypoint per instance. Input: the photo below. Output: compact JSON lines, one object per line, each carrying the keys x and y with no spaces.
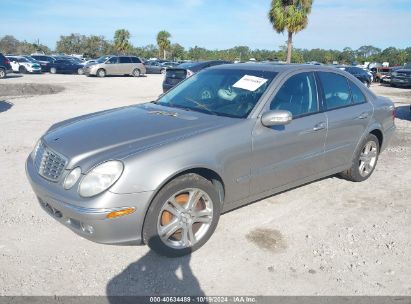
{"x":113,"y":60}
{"x":357,"y":95}
{"x":336,"y":90}
{"x":125,"y":60}
{"x":135,"y":60}
{"x":297,"y":95}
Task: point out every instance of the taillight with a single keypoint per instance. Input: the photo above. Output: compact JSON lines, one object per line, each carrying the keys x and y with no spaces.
{"x":7,"y":61}
{"x":393,"y":113}
{"x":189,"y":73}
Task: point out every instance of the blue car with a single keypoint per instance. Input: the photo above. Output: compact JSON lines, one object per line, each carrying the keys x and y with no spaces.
{"x":66,"y":66}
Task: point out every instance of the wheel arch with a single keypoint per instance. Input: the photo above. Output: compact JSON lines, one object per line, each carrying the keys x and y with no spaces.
{"x":203,"y":171}
{"x":377,"y":132}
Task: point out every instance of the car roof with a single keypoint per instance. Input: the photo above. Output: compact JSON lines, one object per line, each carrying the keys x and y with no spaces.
{"x":278,"y":68}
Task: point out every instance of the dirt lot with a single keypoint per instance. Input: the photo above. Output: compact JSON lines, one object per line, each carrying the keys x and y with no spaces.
{"x":331,"y":237}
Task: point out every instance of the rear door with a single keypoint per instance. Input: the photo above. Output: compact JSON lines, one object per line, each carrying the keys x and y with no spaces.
{"x":348,"y":114}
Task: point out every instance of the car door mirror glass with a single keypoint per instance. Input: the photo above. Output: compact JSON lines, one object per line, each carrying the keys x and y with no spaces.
{"x":276,"y":118}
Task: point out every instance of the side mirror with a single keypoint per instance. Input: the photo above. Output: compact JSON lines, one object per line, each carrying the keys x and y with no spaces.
{"x":276,"y":118}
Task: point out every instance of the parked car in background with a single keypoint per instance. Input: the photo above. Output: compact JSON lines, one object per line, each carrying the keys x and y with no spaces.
{"x":157,"y":67}
{"x":116,"y":65}
{"x":5,"y":66}
{"x":182,"y":71}
{"x":45,"y":61}
{"x":380,"y":73}
{"x":401,"y":78}
{"x":359,"y":73}
{"x":161,"y":173}
{"x":22,"y":65}
{"x":65,"y":66}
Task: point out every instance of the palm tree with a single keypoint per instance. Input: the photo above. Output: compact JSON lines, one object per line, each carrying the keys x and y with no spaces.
{"x":163,"y":42}
{"x":121,"y":40}
{"x":290,"y":16}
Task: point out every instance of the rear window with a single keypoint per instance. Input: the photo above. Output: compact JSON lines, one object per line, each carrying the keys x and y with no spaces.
{"x":176,"y":73}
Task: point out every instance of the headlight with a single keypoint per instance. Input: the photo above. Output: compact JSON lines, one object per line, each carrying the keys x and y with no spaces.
{"x":101,"y":178}
{"x":36,"y":148}
{"x":72,"y":178}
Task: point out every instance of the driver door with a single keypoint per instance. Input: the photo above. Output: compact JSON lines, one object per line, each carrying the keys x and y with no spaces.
{"x":288,"y":153}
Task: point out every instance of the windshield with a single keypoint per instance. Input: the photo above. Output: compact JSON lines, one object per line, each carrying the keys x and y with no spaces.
{"x":223,"y":92}
{"x":22,"y":59}
{"x":31,"y":59}
{"x":102,"y":59}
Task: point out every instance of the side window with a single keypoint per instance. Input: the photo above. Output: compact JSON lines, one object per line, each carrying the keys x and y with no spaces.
{"x":113,"y":60}
{"x":357,"y":95}
{"x":297,"y":95}
{"x":125,"y":60}
{"x":336,"y":90}
{"x":135,"y":60}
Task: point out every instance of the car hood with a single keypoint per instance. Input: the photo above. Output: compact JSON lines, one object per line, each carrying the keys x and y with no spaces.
{"x":118,"y":133}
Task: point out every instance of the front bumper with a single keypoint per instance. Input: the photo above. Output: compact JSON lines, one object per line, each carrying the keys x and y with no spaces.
{"x":87,"y":217}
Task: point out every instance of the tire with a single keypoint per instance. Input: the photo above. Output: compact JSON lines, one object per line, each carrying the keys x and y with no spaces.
{"x":22,"y":70}
{"x":180,"y":218}
{"x":101,"y":73}
{"x":80,"y":71}
{"x":163,"y":71}
{"x":53,"y":70}
{"x":3,"y":74}
{"x":136,"y":73}
{"x":365,"y":160}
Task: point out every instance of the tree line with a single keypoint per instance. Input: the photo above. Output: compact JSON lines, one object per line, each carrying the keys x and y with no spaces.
{"x":94,"y":46}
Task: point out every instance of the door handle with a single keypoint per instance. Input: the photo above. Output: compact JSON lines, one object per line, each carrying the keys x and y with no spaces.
{"x":319,"y":126}
{"x":363,"y":116}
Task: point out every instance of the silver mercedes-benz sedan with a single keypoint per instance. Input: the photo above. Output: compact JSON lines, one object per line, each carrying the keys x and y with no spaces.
{"x":161,"y":173}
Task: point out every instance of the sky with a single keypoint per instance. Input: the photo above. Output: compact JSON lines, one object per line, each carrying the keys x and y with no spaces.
{"x":214,"y":24}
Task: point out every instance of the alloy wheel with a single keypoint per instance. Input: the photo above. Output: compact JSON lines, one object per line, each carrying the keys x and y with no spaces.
{"x":368,"y":158}
{"x":185,"y":218}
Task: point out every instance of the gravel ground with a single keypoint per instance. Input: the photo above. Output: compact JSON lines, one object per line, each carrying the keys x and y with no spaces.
{"x":330,"y":237}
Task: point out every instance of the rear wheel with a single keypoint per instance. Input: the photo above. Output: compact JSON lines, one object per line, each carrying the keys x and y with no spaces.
{"x":2,"y":73}
{"x":163,"y":71}
{"x":365,"y":160}
{"x":182,"y":216}
{"x":136,"y":73}
{"x":53,"y":70}
{"x":80,"y":71}
{"x":101,"y":73}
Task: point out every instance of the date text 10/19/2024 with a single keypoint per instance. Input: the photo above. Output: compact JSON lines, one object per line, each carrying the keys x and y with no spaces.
{"x":204,"y":299}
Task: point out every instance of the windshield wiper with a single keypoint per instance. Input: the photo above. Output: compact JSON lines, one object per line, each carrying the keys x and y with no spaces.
{"x":201,"y":106}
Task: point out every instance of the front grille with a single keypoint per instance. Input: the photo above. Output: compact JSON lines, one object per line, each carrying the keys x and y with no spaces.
{"x":48,"y":163}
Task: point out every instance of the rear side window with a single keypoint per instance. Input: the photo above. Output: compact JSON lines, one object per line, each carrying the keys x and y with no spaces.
{"x":125,"y":60}
{"x":356,"y":94}
{"x":297,"y":95}
{"x":135,"y":60}
{"x":335,"y":89}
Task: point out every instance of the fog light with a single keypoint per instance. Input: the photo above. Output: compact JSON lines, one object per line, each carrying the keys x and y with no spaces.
{"x":87,"y":228}
{"x":121,"y":212}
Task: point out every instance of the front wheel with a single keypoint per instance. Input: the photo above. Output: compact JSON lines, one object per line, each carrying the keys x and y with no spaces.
{"x":22,"y":70}
{"x":80,"y":71}
{"x":182,"y":216}
{"x":365,"y":160}
{"x":101,"y":73}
